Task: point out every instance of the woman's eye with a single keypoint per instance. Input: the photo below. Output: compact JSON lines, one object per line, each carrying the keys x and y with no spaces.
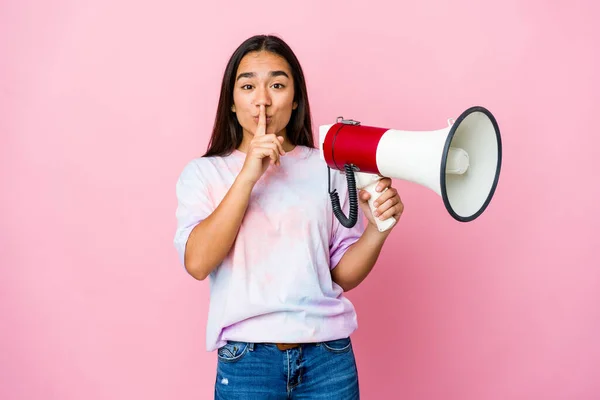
{"x":246,"y":87}
{"x":278,"y":86}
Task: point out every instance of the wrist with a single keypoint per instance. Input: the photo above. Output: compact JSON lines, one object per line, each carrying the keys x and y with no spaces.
{"x":372,"y":231}
{"x":242,"y":180}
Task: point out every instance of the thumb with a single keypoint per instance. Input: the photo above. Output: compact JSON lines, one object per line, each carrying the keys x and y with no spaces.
{"x":364,"y":195}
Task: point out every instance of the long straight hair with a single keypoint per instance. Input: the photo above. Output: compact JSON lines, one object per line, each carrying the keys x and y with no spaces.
{"x":227,"y":133}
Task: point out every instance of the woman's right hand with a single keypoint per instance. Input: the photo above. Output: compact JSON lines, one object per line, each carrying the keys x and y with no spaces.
{"x":264,"y":150}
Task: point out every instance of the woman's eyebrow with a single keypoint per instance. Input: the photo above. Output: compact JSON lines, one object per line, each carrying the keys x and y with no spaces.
{"x":279,"y":73}
{"x":252,"y":74}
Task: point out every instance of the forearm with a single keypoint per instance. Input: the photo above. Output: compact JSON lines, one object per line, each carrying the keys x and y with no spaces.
{"x":210,"y":240}
{"x":358,"y":261}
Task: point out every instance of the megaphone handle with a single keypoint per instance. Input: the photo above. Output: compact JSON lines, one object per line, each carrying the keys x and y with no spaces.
{"x":370,"y":188}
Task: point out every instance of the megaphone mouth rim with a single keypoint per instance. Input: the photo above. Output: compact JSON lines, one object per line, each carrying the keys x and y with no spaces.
{"x":449,"y":139}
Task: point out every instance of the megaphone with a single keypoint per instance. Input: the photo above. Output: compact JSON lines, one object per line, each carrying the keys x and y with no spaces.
{"x":461,"y":162}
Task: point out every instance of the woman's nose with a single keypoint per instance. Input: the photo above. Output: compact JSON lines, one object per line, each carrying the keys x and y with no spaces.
{"x":262,"y":97}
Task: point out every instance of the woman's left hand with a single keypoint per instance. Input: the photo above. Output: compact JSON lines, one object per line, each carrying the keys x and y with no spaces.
{"x":388,"y":203}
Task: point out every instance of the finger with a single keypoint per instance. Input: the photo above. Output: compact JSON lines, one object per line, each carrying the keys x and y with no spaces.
{"x":278,"y":143}
{"x":277,"y":149}
{"x":386,"y":205}
{"x":261,"y":129}
{"x":262,"y":151}
{"x":399,"y":210}
{"x":390,"y":212}
{"x":279,"y":140}
{"x":385,"y":196}
{"x":364,"y":195}
{"x":272,"y":139}
{"x":271,"y":151}
{"x":383,"y":183}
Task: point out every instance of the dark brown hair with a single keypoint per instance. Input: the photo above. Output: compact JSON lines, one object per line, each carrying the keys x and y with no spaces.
{"x":227,"y":132}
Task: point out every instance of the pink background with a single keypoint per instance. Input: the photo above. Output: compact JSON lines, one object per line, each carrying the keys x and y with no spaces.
{"x":103,"y":102}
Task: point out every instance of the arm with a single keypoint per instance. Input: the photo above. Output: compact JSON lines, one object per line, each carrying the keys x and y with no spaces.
{"x":360,"y":257}
{"x":358,"y":261}
{"x":210,"y":240}
{"x":213,"y":236}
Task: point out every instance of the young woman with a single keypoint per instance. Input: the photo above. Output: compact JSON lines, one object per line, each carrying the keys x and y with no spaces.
{"x":254,"y":215}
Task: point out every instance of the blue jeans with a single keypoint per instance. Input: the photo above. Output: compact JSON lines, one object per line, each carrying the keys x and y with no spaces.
{"x":256,"y":371}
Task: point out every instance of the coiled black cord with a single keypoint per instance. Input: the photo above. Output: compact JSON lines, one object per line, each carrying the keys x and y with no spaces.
{"x":349,"y":221}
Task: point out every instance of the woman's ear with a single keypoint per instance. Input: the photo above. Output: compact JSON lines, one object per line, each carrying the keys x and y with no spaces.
{"x":233,"y":108}
{"x":294,"y":105}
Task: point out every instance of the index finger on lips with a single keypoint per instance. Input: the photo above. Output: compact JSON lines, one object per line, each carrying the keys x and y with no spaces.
{"x":261,"y":130}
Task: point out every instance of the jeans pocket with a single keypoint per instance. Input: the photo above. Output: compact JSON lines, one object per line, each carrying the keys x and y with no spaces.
{"x":232,"y":351}
{"x":338,"y":345}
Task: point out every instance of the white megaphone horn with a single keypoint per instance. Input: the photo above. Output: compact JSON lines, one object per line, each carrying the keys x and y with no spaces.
{"x":461,"y":162}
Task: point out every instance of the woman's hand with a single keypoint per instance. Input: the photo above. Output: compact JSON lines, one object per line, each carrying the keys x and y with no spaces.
{"x":388,"y":203}
{"x":264,"y":150}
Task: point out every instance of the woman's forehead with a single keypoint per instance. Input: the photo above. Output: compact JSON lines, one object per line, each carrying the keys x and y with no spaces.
{"x":263,"y":63}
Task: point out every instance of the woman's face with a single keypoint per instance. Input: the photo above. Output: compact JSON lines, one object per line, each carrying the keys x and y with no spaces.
{"x":263,"y":78}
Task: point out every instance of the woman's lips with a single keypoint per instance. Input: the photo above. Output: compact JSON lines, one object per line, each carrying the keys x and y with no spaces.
{"x":268,"y":119}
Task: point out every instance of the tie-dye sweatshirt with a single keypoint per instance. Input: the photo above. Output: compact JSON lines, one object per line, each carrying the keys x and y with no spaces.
{"x":275,"y":283}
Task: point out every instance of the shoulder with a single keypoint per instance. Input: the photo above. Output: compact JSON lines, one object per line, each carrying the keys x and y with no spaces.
{"x":198,"y":169}
{"x":195,"y":164}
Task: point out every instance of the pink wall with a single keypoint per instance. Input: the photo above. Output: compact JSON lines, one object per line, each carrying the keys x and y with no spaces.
{"x":102,"y":103}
